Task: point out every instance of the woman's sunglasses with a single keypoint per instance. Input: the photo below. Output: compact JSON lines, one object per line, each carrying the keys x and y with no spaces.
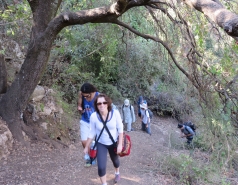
{"x":100,"y":103}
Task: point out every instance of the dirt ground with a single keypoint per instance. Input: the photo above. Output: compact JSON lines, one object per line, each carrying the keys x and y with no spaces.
{"x":45,"y":166}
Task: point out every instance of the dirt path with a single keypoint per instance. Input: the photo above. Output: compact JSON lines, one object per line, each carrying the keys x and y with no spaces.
{"x":42,"y":165}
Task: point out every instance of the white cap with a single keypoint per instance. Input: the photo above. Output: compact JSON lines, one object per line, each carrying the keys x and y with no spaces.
{"x":143,"y":105}
{"x":127,"y":102}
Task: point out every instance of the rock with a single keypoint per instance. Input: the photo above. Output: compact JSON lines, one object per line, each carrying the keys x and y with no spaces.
{"x":44,"y":125}
{"x":38,"y":93}
{"x":6,"y":140}
{"x":14,"y":57}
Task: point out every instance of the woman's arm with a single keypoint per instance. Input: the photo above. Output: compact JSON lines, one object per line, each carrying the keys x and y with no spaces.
{"x":80,"y":108}
{"x":119,"y":127}
{"x":119,"y":146}
{"x":119,"y":124}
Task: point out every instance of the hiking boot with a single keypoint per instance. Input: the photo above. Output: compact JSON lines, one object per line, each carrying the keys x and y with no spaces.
{"x":87,"y":164}
{"x":117,"y":178}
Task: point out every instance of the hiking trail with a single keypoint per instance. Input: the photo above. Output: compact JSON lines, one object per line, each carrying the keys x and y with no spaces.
{"x":42,"y":165}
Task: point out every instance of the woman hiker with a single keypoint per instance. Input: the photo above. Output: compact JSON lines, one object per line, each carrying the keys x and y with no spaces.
{"x":106,"y":115}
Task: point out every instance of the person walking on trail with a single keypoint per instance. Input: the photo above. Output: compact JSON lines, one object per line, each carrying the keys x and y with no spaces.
{"x":139,"y":102}
{"x":145,"y":125}
{"x":128,"y":115}
{"x":112,"y":119}
{"x":86,"y":98}
{"x":187,"y":132}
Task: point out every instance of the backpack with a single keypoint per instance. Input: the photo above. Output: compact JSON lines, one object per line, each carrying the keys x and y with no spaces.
{"x":124,"y":105}
{"x":191,"y":125}
{"x":150,"y":113}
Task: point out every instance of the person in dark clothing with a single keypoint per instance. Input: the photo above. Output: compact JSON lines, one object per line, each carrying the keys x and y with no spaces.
{"x":139,"y":102}
{"x":187,"y":132}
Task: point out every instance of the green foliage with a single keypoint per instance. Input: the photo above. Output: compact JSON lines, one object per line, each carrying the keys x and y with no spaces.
{"x":218,"y":136}
{"x":16,"y":22}
{"x":186,"y":169}
{"x":42,"y":107}
{"x":61,"y":125}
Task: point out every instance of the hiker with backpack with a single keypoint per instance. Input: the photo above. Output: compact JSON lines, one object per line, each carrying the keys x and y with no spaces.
{"x":104,"y":121}
{"x":139,"y":102}
{"x":186,"y":131}
{"x":145,"y":117}
{"x":128,"y":115}
{"x":86,"y":98}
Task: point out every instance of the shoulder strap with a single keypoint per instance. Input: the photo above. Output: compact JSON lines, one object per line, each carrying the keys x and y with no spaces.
{"x":105,"y":126}
{"x":131,"y":112}
{"x":104,"y":123}
{"x":122,"y":111}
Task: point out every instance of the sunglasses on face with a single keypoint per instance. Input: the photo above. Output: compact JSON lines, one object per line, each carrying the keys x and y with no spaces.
{"x":100,"y":103}
{"x":87,"y":96}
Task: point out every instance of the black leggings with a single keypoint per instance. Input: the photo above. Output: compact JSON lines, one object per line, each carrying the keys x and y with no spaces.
{"x":102,"y":158}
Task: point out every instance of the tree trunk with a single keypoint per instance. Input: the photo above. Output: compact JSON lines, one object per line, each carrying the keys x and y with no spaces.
{"x":15,"y":100}
{"x":44,"y":31}
{"x":3,"y":75}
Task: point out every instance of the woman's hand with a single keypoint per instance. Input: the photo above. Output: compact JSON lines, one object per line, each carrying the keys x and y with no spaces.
{"x":85,"y":150}
{"x":119,"y":149}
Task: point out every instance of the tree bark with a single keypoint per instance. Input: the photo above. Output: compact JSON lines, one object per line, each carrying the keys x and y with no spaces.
{"x":224,"y":18}
{"x":3,"y":75}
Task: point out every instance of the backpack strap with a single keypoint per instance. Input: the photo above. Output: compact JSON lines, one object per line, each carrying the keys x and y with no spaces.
{"x":131,"y":112}
{"x":122,"y":111}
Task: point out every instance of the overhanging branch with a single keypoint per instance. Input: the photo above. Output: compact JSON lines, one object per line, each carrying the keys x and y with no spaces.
{"x":156,"y":39}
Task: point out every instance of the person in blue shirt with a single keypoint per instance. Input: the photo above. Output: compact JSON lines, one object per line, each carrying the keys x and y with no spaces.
{"x":187,"y":132}
{"x":139,"y":102}
{"x":86,"y":98}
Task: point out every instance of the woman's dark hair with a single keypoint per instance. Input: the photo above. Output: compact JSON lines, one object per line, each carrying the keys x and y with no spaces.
{"x":88,"y":88}
{"x":108,"y":100}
